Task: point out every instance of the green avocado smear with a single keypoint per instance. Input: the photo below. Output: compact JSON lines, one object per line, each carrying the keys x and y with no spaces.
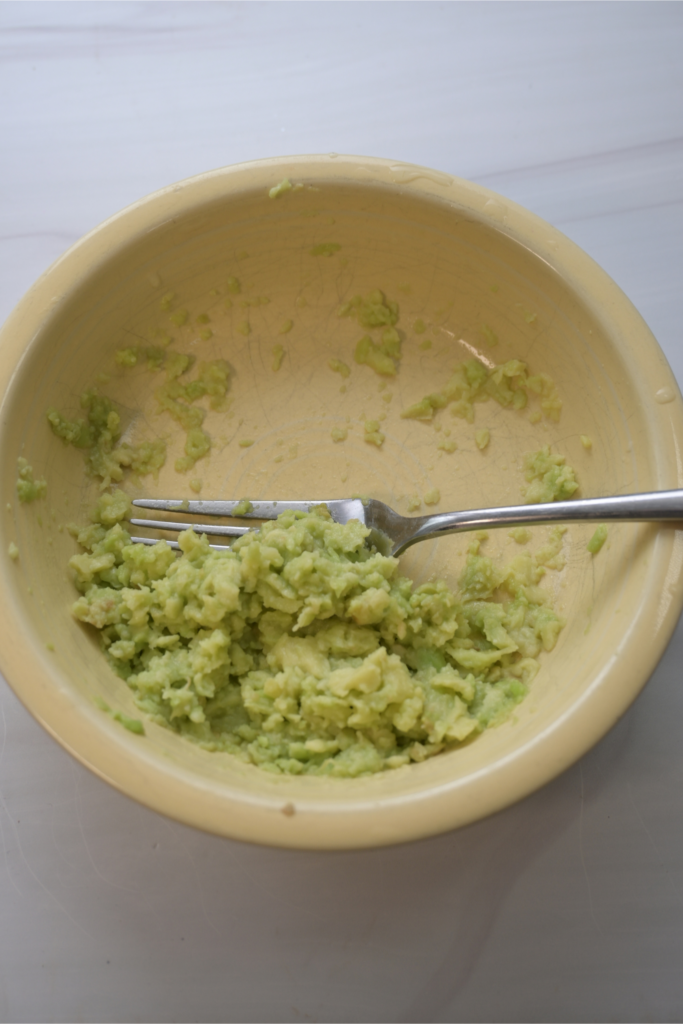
{"x":302,"y":650}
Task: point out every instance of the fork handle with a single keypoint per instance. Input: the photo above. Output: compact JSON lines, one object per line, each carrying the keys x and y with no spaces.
{"x":656,"y":506}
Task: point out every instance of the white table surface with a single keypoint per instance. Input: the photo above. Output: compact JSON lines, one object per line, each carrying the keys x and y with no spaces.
{"x":568,"y":906}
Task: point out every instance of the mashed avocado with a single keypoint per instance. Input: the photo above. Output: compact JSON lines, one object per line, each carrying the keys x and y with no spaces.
{"x":548,"y":476}
{"x":28,"y":488}
{"x":337,"y":366}
{"x":278,"y":356}
{"x":99,"y":432}
{"x":98,"y":435}
{"x":302,"y":650}
{"x":597,"y":540}
{"x":131,"y":724}
{"x":283,"y":186}
{"x":375,"y":311}
{"x":372,"y":434}
{"x":509,"y":384}
{"x":381,"y":356}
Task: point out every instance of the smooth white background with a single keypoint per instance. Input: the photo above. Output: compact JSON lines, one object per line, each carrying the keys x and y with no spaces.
{"x":568,"y":906}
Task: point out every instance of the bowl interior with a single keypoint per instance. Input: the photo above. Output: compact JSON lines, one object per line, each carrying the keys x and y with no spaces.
{"x":469,"y":274}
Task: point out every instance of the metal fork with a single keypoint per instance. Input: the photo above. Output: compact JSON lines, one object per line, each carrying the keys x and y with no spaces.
{"x":392,"y":533}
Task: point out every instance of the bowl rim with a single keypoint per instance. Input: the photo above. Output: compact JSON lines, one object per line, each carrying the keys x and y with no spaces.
{"x":128,"y":765}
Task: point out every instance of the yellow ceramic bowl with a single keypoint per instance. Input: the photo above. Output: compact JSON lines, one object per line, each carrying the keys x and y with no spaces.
{"x":470,"y":265}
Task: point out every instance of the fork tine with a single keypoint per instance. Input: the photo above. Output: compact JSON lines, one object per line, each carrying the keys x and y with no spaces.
{"x":219,"y":530}
{"x":174,"y":543}
{"x":259,"y":510}
{"x":341,"y":509}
